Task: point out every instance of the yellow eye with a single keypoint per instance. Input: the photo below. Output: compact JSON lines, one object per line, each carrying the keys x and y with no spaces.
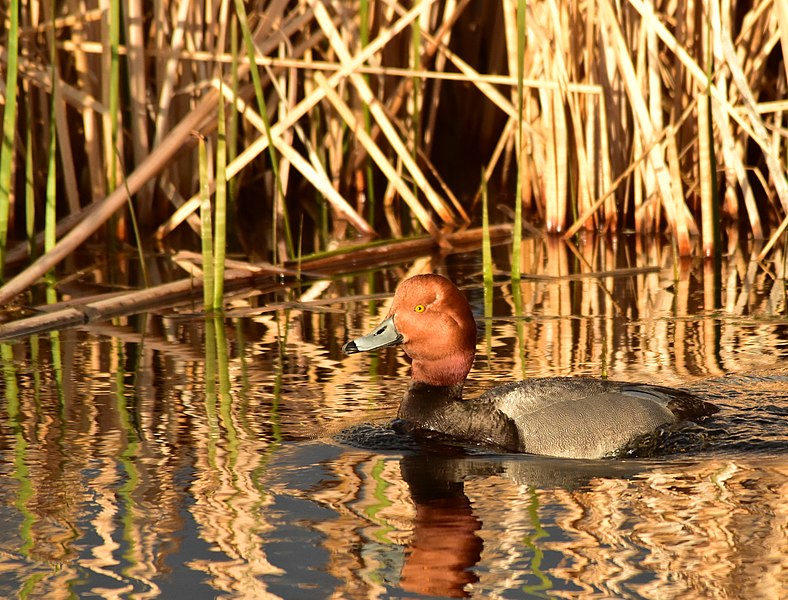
{"x":419,"y":308}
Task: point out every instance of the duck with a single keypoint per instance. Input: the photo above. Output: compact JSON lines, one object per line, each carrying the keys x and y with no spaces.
{"x":567,"y":417}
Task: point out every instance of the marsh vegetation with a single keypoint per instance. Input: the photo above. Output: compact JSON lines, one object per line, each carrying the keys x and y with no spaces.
{"x":605,"y":181}
{"x":347,"y":121}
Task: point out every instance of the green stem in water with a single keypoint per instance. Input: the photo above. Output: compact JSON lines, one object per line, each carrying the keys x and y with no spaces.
{"x":221,"y":209}
{"x":205,"y":229}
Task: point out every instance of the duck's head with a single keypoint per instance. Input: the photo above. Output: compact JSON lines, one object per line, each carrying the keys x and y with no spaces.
{"x":433,"y":321}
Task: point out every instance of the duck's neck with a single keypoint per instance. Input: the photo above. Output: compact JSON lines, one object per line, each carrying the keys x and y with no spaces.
{"x":426,"y":391}
{"x":441,"y":409}
{"x":423,"y":401}
{"x":449,"y":371}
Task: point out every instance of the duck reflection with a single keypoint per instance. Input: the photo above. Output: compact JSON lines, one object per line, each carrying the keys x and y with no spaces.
{"x":445,"y":546}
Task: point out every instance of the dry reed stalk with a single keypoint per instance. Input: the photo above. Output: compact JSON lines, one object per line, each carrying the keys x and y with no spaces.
{"x":240,"y":275}
{"x":376,"y":110}
{"x":311,"y":170}
{"x":752,"y":125}
{"x":778,"y":233}
{"x":634,"y":76}
{"x":649,"y":53}
{"x":707,"y":162}
{"x":682,"y":217}
{"x":505,"y":139}
{"x":782,"y":26}
{"x":705,"y":173}
{"x":101,"y":211}
{"x":439,"y":40}
{"x":184,"y":210}
{"x":138,"y":101}
{"x":564,"y":35}
{"x":117,"y":304}
{"x":310,"y":64}
{"x":259,"y":145}
{"x":646,"y":193}
{"x":731,"y":162}
{"x":607,"y":195}
{"x":451,"y":11}
{"x":558,"y":143}
{"x":168,"y":78}
{"x":469,"y":74}
{"x":375,"y":153}
{"x":669,"y":193}
{"x":63,"y":135}
{"x":89,"y":117}
{"x":776,"y":170}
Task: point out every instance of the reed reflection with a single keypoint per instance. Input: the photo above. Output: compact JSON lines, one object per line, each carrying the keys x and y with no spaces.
{"x":143,"y":456}
{"x":446,"y":547}
{"x":524,"y":526}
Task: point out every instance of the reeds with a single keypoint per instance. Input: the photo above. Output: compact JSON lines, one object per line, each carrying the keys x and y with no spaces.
{"x":611,"y":116}
{"x":9,"y":125}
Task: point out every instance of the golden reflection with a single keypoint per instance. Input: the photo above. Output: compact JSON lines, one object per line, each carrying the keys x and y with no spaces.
{"x":136,"y":456}
{"x":476,"y":527}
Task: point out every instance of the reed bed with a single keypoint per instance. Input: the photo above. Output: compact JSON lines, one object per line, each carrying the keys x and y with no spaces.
{"x":342,"y":120}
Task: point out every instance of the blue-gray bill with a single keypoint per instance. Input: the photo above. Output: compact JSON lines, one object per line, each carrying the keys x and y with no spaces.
{"x":384,"y":335}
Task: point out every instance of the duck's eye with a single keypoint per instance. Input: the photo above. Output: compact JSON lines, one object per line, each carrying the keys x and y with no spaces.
{"x":419,"y":308}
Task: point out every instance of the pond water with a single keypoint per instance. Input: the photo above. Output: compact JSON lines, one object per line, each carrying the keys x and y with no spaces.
{"x":169,"y":456}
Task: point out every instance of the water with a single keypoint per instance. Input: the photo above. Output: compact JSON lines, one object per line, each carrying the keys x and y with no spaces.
{"x":143,"y":458}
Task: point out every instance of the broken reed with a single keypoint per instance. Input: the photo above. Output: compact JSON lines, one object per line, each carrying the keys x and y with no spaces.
{"x":607,"y":119}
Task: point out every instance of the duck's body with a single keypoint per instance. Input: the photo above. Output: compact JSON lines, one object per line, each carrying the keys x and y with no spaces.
{"x":572,"y":417}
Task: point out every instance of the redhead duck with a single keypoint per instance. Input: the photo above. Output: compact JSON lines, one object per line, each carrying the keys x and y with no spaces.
{"x":570,"y":417}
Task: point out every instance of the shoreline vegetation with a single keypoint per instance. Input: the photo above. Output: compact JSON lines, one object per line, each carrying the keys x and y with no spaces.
{"x":148,"y":125}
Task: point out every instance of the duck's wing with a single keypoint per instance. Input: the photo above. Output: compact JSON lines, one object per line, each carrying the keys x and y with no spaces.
{"x":586,"y":418}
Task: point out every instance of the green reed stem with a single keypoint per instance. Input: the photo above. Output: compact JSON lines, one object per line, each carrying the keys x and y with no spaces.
{"x":517,"y":300}
{"x":276,"y":396}
{"x":382,"y":502}
{"x":486,"y":246}
{"x":11,"y":386}
{"x":518,"y":201}
{"x":205,"y":229}
{"x":56,"y":348}
{"x":244,"y":379}
{"x":30,"y":191}
{"x":220,"y":243}
{"x":9,"y":126}
{"x":261,"y":107}
{"x":487,"y":269}
{"x":370,"y":172}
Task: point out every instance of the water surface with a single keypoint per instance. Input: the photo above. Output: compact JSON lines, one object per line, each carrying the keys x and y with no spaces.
{"x":165,"y":455}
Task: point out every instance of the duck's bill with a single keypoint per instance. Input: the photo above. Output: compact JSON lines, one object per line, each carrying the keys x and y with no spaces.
{"x":385,"y":334}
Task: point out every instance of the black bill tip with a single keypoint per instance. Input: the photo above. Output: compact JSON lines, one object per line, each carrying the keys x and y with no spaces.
{"x":350,"y":348}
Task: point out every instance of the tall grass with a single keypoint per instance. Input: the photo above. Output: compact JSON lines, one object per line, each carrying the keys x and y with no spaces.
{"x":612,"y":116}
{"x":519,"y":48}
{"x":220,"y":237}
{"x":9,"y":128}
{"x":206,"y":229}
